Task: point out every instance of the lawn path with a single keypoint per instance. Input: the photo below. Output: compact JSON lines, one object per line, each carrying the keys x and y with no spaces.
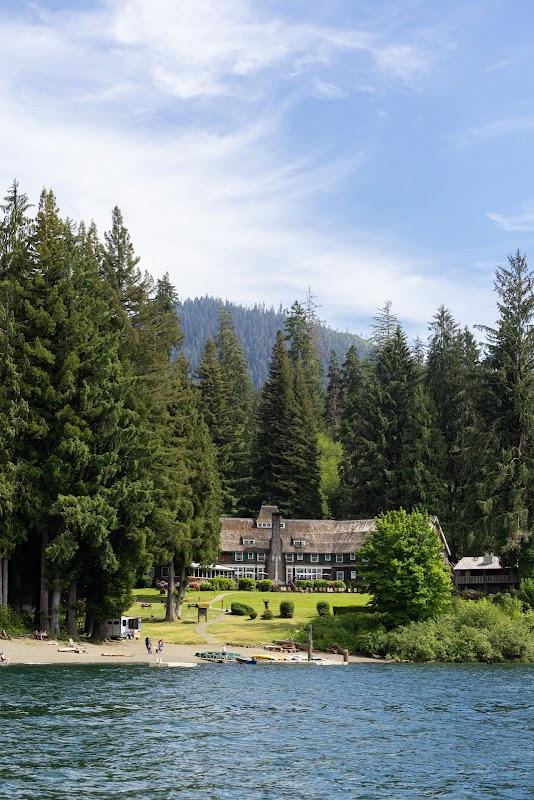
{"x":201,"y":628}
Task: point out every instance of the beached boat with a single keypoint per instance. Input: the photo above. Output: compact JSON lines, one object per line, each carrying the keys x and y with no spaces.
{"x":179,"y":664}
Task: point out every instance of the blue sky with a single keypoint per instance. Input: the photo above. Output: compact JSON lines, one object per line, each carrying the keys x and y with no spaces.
{"x":373,"y":151}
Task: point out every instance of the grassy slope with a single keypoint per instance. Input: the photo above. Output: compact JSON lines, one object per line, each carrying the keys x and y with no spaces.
{"x":233,"y":630}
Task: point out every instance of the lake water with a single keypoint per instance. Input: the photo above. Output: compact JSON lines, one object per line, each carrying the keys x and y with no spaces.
{"x":362,"y":731}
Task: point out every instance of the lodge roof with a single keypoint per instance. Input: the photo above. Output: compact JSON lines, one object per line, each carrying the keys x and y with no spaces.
{"x":488,"y":561}
{"x":319,"y":535}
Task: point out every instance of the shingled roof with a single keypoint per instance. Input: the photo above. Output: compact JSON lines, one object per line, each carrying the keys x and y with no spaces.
{"x":320,"y":535}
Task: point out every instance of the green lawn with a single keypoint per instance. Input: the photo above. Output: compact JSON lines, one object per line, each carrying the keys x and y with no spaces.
{"x":233,"y":630}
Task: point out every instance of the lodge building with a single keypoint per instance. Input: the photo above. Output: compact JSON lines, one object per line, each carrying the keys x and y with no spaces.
{"x":288,"y":550}
{"x":484,"y":574}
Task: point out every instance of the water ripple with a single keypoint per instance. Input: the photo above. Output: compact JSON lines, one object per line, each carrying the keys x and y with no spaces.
{"x":364,"y":732}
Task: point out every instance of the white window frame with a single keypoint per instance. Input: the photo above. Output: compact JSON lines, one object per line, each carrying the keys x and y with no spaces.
{"x":352,"y":556}
{"x":290,"y":557}
{"x":164,"y":572}
{"x":353,"y":575}
{"x":340,"y":575}
{"x":261,"y":556}
{"x":250,"y":556}
{"x":300,"y":556}
{"x":328,"y":556}
{"x":239,"y":556}
{"x":314,"y":558}
{"x":339,"y":558}
{"x":249,"y":541}
{"x":299,"y":542}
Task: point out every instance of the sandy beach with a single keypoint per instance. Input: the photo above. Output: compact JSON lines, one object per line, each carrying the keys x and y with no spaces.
{"x":31,"y":652}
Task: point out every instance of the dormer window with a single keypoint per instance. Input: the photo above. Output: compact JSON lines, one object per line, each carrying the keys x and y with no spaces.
{"x":299,"y":542}
{"x":249,"y":541}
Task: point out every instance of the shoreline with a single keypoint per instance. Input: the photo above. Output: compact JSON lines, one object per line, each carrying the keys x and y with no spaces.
{"x":31,"y":652}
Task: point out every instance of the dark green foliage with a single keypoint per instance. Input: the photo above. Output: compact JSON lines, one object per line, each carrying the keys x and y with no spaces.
{"x":393,"y":449}
{"x":301,"y":335}
{"x":256,"y":329}
{"x":287,"y":609}
{"x":218,"y":585}
{"x":264,"y":585}
{"x":526,"y":592}
{"x":323,"y":608}
{"x":240,"y":403}
{"x":508,"y":417}
{"x":246,"y":584}
{"x":469,"y":631}
{"x":402,"y":565}
{"x":286,"y":470}
{"x":267,"y":614}
{"x":242,"y":610}
{"x":333,"y":396}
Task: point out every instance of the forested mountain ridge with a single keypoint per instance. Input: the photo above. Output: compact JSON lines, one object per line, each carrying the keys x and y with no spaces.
{"x":256,"y":328}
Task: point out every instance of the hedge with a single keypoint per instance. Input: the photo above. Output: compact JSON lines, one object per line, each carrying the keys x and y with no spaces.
{"x":242,"y":610}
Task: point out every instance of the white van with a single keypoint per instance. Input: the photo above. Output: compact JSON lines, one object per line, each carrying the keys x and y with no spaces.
{"x":124,"y":628}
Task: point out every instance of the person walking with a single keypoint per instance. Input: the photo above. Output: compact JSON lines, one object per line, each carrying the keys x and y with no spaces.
{"x":148,"y":645}
{"x":160,"y":646}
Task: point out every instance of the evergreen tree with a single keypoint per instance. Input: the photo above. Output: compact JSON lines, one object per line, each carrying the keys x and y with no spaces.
{"x":384,"y":325}
{"x":333,"y":396}
{"x":300,"y":335}
{"x":509,"y":415}
{"x":274,"y":472}
{"x":452,"y":376}
{"x":214,"y":404}
{"x":304,"y":452}
{"x":362,"y":469}
{"x":240,"y":403}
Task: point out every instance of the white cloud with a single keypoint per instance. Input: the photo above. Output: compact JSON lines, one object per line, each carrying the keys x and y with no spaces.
{"x":494,"y":129}
{"x":98,"y":106}
{"x":523,"y":221}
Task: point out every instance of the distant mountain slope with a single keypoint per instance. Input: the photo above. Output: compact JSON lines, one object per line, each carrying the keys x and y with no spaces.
{"x":256,"y":328}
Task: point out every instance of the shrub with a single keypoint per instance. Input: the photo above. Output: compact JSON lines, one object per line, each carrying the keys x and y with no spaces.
{"x":526,"y":592}
{"x":242,"y":610}
{"x":267,"y":614}
{"x":339,"y":585}
{"x":265,"y":585}
{"x":246,"y":584}
{"x":205,"y":586}
{"x":304,"y":584}
{"x":13,"y":622}
{"x":286,"y":609}
{"x":194,"y":585}
{"x":323,"y":608}
{"x":469,"y":631}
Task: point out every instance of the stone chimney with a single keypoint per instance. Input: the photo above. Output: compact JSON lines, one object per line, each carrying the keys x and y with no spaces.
{"x":275,"y":567}
{"x":487,"y":559}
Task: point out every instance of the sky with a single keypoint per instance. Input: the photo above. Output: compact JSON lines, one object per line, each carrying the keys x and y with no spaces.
{"x":369,"y":150}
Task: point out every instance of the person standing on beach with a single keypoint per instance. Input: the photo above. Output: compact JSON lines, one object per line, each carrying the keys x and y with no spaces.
{"x":160,"y":646}
{"x":148,"y":645}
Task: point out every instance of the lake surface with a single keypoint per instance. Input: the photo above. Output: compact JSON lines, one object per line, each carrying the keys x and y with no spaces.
{"x":362,"y":731}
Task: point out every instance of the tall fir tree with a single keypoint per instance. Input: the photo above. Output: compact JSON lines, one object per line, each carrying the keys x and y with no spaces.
{"x":508,"y":411}
{"x":240,"y":402}
{"x":300,"y":335}
{"x":333,"y":396}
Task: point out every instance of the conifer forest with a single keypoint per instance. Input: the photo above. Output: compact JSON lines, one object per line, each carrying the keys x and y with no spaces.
{"x":116,"y":454}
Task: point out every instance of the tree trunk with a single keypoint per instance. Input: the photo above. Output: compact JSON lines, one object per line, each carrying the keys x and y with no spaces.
{"x":2,"y":582}
{"x":180,"y":594}
{"x":5,"y":581}
{"x":43,"y":602}
{"x":89,"y":623}
{"x":56,"y":603}
{"x":170,"y":615}
{"x":72,"y":610}
{"x":100,"y":631}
